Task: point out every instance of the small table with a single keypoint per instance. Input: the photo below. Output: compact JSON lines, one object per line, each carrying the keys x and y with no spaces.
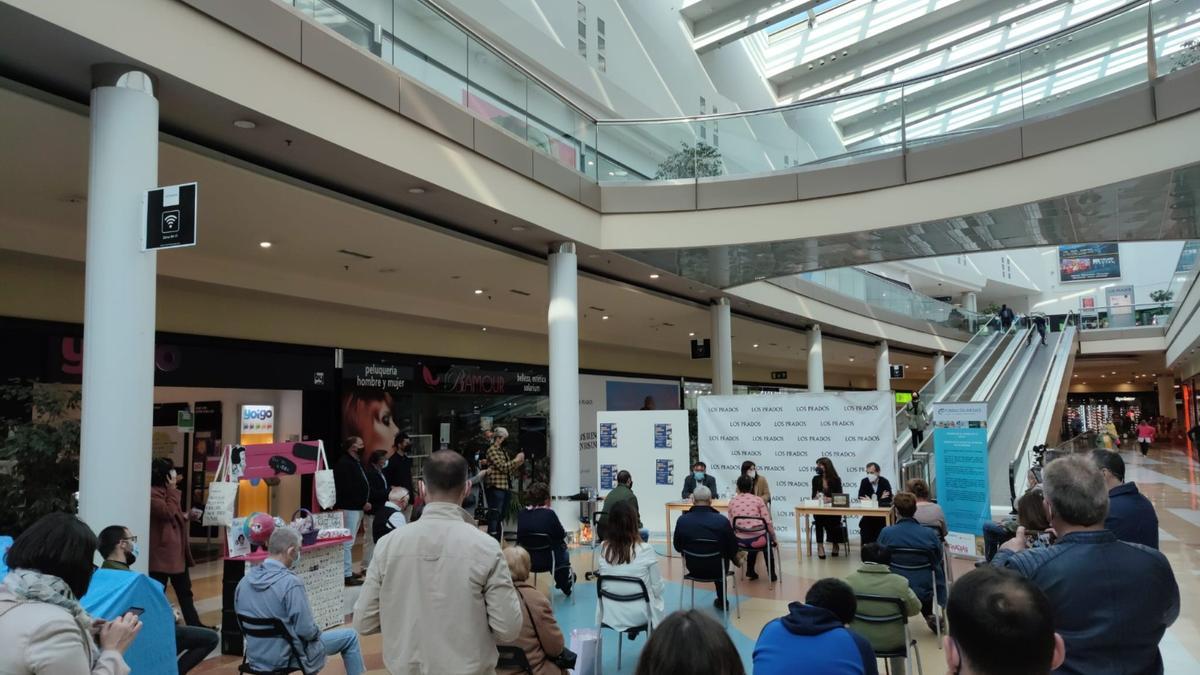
{"x":682,"y":506}
{"x":839,"y":511}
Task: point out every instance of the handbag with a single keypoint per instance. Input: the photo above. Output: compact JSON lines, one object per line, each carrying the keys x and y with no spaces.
{"x":326,"y":487}
{"x":222,"y":495}
{"x":566,"y":658}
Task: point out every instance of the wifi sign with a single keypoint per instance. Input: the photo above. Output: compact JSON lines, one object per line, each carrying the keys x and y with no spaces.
{"x":170,"y":222}
{"x":170,"y":216}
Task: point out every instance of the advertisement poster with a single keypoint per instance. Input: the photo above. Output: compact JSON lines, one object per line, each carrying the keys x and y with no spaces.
{"x":608,"y":435}
{"x":1088,"y":262}
{"x":257,"y":424}
{"x":1120,"y":306}
{"x":637,"y":453}
{"x":662,"y":436}
{"x":664,"y":472}
{"x":960,"y":449}
{"x":236,"y":540}
{"x":608,"y":476}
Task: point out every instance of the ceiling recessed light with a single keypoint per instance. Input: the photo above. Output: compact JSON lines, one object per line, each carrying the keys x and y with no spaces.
{"x":604,"y":318}
{"x":756,"y":346}
{"x":1114,"y":372}
{"x":691,"y":335}
{"x":518,"y":228}
{"x":478,"y":291}
{"x":264,"y":244}
{"x":485,"y":329}
{"x":851,"y":359}
{"x":416,"y":190}
{"x":653,"y":276}
{"x":244,"y":124}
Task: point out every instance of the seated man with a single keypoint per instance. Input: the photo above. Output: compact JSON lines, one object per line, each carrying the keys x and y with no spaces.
{"x":119,"y":547}
{"x":876,"y":578}
{"x":813,"y":637}
{"x":1131,"y":516}
{"x":908,"y":533}
{"x":699,"y":476}
{"x":702,"y":521}
{"x":272,"y":591}
{"x":622,"y":493}
{"x":391,"y":514}
{"x":1000,"y":623}
{"x":539,"y":519}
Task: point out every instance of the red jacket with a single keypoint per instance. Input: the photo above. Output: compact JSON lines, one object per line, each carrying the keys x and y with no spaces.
{"x":169,"y":550}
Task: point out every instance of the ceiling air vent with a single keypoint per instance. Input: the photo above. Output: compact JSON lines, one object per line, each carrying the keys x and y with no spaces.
{"x":356,"y":254}
{"x":513,"y":290}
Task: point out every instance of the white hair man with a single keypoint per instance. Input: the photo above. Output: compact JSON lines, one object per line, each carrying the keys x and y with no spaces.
{"x":703,"y":522}
{"x":391,"y":516}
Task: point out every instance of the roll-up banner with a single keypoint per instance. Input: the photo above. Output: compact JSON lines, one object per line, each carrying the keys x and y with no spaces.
{"x":960,"y":449}
{"x":785,"y":435}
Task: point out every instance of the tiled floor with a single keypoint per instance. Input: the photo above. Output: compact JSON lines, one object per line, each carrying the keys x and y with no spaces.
{"x":1168,"y":477}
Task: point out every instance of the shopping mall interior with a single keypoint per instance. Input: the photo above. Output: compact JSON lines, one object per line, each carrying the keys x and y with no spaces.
{"x":745,"y":232}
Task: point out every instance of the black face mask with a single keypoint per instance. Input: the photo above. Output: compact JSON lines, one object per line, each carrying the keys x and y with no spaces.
{"x":820,"y":471}
{"x":130,"y":558}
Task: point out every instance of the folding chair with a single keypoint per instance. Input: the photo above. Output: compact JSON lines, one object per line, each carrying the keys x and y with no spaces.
{"x":746,"y":536}
{"x":602,"y":594}
{"x":713,"y":552}
{"x":945,"y":554}
{"x":513,"y":657}
{"x":899,"y":617}
{"x":538,"y":542}
{"x":595,"y":542}
{"x":266,"y":629}
{"x":930,"y":563}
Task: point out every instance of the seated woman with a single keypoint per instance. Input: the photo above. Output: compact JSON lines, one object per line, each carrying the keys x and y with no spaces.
{"x":745,"y":503}
{"x":541,"y":639}
{"x":539,"y":519}
{"x":624,"y":554}
{"x":1031,"y":515}
{"x":928,"y":513}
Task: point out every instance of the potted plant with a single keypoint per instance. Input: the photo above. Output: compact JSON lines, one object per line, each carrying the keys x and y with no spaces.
{"x":39,"y":453}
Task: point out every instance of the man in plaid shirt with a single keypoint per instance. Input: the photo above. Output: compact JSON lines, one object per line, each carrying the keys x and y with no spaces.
{"x":499,"y":481}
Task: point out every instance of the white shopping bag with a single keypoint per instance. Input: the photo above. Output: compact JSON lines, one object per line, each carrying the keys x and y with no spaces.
{"x":326,"y":487}
{"x":222,"y":496}
{"x":584,"y":642}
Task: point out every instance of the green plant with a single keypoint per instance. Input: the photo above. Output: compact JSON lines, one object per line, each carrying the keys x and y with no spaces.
{"x":1162,"y":296}
{"x":39,"y":453}
{"x":1189,"y":55}
{"x":691,"y":161}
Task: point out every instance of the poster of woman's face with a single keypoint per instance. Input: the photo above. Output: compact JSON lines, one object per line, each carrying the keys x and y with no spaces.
{"x":367,"y":413}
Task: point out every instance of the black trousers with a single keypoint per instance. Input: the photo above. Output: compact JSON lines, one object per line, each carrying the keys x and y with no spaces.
{"x":752,"y":558}
{"x":869,"y":529}
{"x":182,"y":583}
{"x":918,"y":437}
{"x":708,"y":569}
{"x":193,"y":644}
{"x":829,"y":525}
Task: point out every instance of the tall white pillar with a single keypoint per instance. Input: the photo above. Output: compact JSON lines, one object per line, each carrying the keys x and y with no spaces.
{"x":118,"y":305}
{"x":563,"y":321}
{"x":1166,"y":396}
{"x":816,"y":361}
{"x":883,"y":374}
{"x":939,"y":365}
{"x":722,"y":348}
{"x":970,"y":301}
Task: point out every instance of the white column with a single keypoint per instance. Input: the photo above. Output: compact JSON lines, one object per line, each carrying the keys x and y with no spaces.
{"x":722,"y":348}
{"x":939,"y":365}
{"x":1166,"y":396}
{"x":816,"y":361}
{"x":970,"y":301}
{"x":563,"y":321}
{"x":118,"y":305}
{"x":883,"y":375}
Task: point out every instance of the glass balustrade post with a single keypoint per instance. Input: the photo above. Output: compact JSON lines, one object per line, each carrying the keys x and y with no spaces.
{"x":1151,"y":51}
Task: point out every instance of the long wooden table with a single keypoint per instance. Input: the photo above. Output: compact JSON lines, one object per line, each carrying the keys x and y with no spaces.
{"x":682,"y":506}
{"x":849,"y":512}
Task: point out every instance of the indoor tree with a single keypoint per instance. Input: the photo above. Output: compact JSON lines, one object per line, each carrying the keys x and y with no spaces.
{"x":1162,"y":296}
{"x":39,"y":452}
{"x":691,"y":161}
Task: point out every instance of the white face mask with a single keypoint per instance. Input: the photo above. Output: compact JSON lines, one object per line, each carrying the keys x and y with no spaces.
{"x":874,"y":477}
{"x":752,"y":473}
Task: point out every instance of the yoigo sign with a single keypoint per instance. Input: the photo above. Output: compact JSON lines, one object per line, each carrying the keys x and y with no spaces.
{"x":258,"y":420}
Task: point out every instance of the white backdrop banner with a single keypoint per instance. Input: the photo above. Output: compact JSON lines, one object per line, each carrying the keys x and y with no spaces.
{"x":653,"y":446}
{"x":785,"y":435}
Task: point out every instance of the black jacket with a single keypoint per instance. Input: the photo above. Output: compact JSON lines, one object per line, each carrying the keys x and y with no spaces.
{"x":399,"y":472}
{"x":353,"y":489}
{"x":865,"y":490}
{"x":819,"y":485}
{"x":378,"y":488}
{"x":1131,"y":516}
{"x":382,"y":525}
{"x":705,"y":522}
{"x":689,"y":485}
{"x":544,"y":521}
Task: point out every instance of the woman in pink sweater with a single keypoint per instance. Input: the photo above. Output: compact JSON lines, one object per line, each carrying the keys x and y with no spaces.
{"x":1146,"y":432}
{"x":746,"y":503}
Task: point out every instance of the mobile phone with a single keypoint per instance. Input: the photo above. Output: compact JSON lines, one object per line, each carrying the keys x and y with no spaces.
{"x":136,"y":611}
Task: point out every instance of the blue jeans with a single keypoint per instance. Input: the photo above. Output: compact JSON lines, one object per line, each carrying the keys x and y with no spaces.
{"x":344,"y":641}
{"x":644,"y":534}
{"x":497,"y":501}
{"x":353,"y":519}
{"x":994,"y":535}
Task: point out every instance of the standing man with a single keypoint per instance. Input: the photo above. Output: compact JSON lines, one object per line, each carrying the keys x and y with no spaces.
{"x":1006,"y":317}
{"x":399,"y":467}
{"x":353,"y":497}
{"x":1131,"y":516}
{"x":698,"y":477}
{"x":439,"y":590}
{"x":918,"y":419}
{"x":499,"y":481}
{"x":1039,"y":322}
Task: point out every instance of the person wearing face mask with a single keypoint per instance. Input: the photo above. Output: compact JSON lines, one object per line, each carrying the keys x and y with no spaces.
{"x":761,"y":488}
{"x":824,"y":485}
{"x":918,"y":419}
{"x":377,"y":496}
{"x":874,"y":485}
{"x":699,"y":477}
{"x":391,"y":515}
{"x":170,"y":555}
{"x":273,"y":591}
{"x":119,"y":547}
{"x":353,"y":499}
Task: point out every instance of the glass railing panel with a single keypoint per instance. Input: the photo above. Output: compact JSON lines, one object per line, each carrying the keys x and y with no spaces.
{"x":1126,"y":316}
{"x":430,"y":50}
{"x":1176,"y":27}
{"x":962,"y":103}
{"x":655,"y":151}
{"x":883,"y":294}
{"x":838,"y":130}
{"x":751,"y":144}
{"x":496,"y":91}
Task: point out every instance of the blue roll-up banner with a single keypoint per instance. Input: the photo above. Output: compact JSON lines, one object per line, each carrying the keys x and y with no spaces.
{"x":112,"y":593}
{"x":960,"y":450}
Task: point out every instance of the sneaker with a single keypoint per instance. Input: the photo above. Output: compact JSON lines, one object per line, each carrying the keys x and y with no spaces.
{"x":352,"y":581}
{"x":717,"y":604}
{"x":752,"y":576}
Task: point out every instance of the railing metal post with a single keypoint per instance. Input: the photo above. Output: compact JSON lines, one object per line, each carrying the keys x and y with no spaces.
{"x":1151,"y":52}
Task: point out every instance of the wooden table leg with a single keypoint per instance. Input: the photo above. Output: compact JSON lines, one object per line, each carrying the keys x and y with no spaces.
{"x":797,"y":514}
{"x":670,"y":553}
{"x":807,"y":535}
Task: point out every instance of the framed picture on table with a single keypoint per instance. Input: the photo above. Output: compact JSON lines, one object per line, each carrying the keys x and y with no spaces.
{"x":841,"y":501}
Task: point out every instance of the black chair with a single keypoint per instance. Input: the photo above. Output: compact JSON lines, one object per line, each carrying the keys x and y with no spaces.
{"x":710,"y":549}
{"x":266,"y":629}
{"x":758,"y":528}
{"x":603,"y":594}
{"x":513,"y":657}
{"x":929,"y":562}
{"x":900,"y":616}
{"x":595,"y":542}
{"x":538,"y":542}
{"x":945,"y":553}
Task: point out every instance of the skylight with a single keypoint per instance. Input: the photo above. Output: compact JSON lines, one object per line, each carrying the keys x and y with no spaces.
{"x":804,"y":16}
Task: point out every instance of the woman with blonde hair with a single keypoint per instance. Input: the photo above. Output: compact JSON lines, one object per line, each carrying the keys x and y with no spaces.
{"x":541,"y":639}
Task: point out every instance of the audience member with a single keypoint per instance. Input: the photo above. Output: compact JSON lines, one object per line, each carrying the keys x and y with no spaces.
{"x":624,"y":554}
{"x":273,"y":591}
{"x":439,"y":590}
{"x":825,"y":484}
{"x":43,"y":629}
{"x":690,"y":642}
{"x":699,"y":476}
{"x":539,"y":519}
{"x":353,"y":498}
{"x":1131,"y":516}
{"x":1031,"y":515}
{"x":814,"y":637}
{"x":703,"y":522}
{"x":623,"y":492}
{"x":377,"y":496}
{"x":119,"y":548}
{"x":399,"y":471}
{"x":750,"y":533}
{"x":541,"y":639}
{"x":877,"y":487}
{"x":170,"y":555}
{"x":1001,"y":624}
{"x":908,"y":533}
{"x":499,"y":481}
{"x":762,"y":489}
{"x":876,"y":578}
{"x":1112,"y":600}
{"x":928,"y":513}
{"x":391,"y":514}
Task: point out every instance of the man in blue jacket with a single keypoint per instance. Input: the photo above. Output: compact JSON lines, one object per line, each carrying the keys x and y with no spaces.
{"x":907,"y":533}
{"x":699,"y":476}
{"x":272,"y":590}
{"x":702,"y":521}
{"x":1130,"y":515}
{"x":813,"y":637}
{"x":1112,"y":600}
